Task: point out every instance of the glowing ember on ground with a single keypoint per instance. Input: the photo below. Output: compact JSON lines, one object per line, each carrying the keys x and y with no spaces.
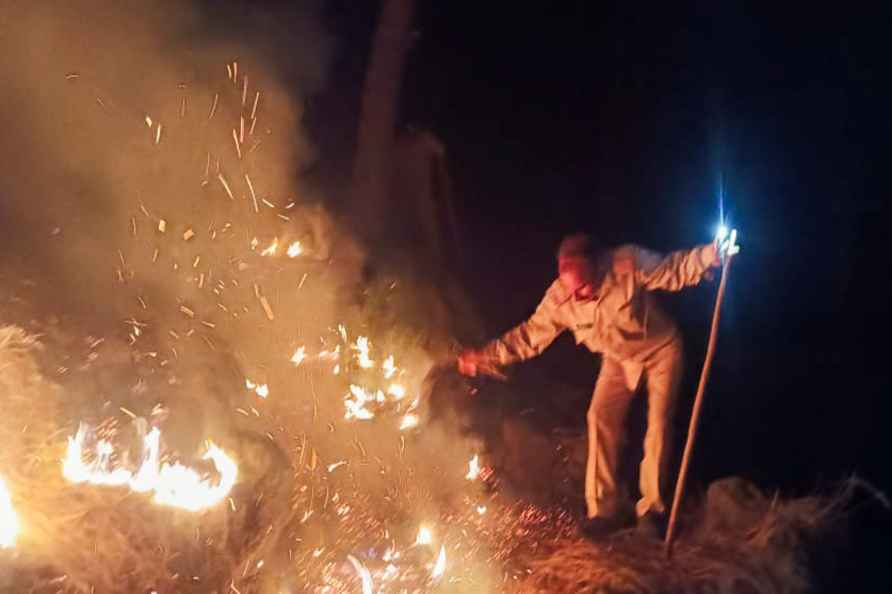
{"x":173,"y":484}
{"x":473,"y":468}
{"x":294,"y":250}
{"x":9,"y":522}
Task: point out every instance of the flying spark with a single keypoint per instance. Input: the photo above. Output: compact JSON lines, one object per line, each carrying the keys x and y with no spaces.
{"x":271,"y":250}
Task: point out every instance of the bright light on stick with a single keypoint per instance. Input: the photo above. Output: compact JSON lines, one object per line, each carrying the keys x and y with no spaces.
{"x":726,"y":240}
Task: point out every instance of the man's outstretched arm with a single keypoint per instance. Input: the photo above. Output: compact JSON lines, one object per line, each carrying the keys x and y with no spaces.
{"x":674,"y":271}
{"x":524,"y":341}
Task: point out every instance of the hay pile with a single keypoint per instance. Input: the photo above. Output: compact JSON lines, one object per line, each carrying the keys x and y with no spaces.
{"x":741,"y":543}
{"x":76,"y":538}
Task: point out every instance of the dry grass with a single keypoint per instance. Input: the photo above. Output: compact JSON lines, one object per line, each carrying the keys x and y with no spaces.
{"x":776,"y":553}
{"x":86,"y":539}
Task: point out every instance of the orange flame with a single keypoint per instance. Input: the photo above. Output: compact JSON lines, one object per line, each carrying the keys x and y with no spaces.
{"x":173,"y":484}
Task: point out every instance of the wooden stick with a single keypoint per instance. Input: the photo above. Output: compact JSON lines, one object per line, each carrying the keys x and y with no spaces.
{"x":695,"y":414}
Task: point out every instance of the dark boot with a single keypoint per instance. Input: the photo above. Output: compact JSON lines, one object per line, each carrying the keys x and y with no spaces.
{"x":652,"y":525}
{"x":600,"y":527}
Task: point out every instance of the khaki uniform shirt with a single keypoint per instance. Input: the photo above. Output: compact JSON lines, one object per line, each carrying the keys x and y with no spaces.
{"x":623,"y":320}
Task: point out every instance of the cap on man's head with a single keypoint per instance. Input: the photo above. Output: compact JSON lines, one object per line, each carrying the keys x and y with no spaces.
{"x":578,"y":245}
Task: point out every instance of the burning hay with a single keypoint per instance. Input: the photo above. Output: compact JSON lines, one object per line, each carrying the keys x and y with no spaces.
{"x":236,"y":425}
{"x":97,"y":538}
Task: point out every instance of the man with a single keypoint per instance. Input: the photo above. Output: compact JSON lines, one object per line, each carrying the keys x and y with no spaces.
{"x":604,"y":297}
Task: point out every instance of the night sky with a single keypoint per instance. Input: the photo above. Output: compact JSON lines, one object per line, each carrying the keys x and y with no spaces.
{"x":625,"y":121}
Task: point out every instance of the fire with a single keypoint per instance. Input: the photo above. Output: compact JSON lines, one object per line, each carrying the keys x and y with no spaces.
{"x":409,"y":421}
{"x":388,"y":367}
{"x":368,"y":586}
{"x":9,"y":522}
{"x":356,"y":406}
{"x":473,"y":468}
{"x":173,"y":484}
{"x":440,"y":565}
{"x":261,"y":390}
{"x":424,"y":536}
{"x":362,"y":347}
{"x":179,"y":486}
{"x":294,"y":250}
{"x":397,"y":391}
{"x":299,"y":355}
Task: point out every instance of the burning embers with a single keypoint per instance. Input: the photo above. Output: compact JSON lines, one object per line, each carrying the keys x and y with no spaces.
{"x":9,"y":522}
{"x":93,"y":460}
{"x":362,"y":402}
{"x":379,"y":389}
{"x":392,"y":568}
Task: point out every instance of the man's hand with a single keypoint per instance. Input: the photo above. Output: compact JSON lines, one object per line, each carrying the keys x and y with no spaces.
{"x":471,"y":363}
{"x":725,"y":244}
{"x":468,"y":362}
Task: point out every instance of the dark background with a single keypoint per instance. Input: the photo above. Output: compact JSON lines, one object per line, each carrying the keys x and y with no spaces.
{"x":626,"y":120}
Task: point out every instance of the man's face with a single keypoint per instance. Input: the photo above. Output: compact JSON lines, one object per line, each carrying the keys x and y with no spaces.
{"x":577,"y":276}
